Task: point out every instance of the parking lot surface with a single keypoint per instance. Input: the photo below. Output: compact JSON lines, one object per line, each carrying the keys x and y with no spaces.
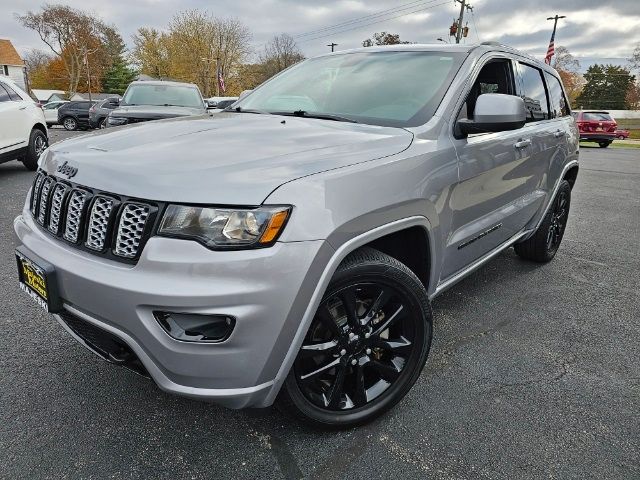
{"x":534,"y":372}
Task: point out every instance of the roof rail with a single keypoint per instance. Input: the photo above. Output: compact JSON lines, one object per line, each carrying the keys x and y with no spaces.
{"x":494,"y":43}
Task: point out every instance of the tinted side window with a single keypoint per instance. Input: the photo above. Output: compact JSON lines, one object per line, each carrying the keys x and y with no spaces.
{"x":12,"y":94}
{"x":534,"y":93}
{"x":559,"y":104}
{"x":4,"y":96}
{"x":495,"y":77}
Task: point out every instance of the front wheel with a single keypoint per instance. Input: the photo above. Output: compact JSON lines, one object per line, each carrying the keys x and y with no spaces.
{"x":544,"y":243}
{"x":365,"y":347}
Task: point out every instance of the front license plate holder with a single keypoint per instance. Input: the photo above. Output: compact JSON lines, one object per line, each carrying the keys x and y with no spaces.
{"x":37,"y":278}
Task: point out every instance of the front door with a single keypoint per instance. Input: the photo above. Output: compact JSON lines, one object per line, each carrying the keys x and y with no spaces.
{"x":497,"y":178}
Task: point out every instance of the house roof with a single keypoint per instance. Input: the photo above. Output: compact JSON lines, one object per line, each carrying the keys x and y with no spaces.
{"x":43,"y":95}
{"x":8,"y":53}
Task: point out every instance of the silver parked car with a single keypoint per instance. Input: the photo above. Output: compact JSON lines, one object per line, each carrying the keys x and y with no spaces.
{"x":299,"y":260}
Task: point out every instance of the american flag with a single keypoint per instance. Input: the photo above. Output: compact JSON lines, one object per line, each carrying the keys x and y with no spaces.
{"x":551,"y":50}
{"x":220,"y":80}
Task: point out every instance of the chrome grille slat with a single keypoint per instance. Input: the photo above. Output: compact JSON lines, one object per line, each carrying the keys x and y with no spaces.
{"x":131,"y":228}
{"x":99,"y":223}
{"x":44,"y":199}
{"x":36,"y":191}
{"x":74,"y":215}
{"x":57,"y":198}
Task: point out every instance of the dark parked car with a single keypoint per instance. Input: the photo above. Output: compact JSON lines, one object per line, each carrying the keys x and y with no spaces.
{"x":99,"y":112}
{"x":154,"y":100}
{"x":75,"y":115}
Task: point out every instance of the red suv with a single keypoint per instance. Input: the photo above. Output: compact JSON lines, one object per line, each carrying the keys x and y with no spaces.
{"x":596,"y":126}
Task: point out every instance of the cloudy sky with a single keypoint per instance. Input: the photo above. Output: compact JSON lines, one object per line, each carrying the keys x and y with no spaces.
{"x":594,"y":30}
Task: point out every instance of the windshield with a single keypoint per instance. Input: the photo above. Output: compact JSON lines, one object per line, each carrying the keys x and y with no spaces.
{"x":163,"y":95}
{"x":391,"y":88}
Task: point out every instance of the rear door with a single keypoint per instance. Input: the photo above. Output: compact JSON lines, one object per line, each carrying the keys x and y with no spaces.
{"x":545,"y":134}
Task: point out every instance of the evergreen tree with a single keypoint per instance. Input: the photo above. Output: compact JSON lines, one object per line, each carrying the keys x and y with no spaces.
{"x":119,"y":75}
{"x":606,"y":88}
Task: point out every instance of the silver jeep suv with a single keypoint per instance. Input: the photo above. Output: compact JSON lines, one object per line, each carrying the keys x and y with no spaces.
{"x":289,"y":246}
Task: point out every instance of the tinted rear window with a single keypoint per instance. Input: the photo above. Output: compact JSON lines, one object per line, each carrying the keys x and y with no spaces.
{"x":596,"y":117}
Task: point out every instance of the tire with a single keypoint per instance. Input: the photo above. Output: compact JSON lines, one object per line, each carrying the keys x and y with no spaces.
{"x":38,"y":142}
{"x":384,"y":345}
{"x":604,"y":144}
{"x":69,"y":123}
{"x":543,"y":245}
{"x":102,"y":123}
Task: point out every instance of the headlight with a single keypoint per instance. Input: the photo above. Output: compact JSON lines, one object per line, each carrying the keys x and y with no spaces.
{"x":116,"y":121}
{"x":225,"y":228}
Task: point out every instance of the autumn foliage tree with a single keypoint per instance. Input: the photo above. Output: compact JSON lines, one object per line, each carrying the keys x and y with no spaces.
{"x":77,"y":39}
{"x":568,"y":68}
{"x":194,"y":46}
{"x":383,"y":38}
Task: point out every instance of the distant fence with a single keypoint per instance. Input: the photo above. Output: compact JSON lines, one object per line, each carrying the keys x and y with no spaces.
{"x":635,"y":114}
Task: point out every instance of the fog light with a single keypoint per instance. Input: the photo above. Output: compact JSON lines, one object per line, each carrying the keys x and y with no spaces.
{"x":192,"y":327}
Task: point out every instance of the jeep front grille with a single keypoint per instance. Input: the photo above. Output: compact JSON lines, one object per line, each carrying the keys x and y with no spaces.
{"x":102,"y":223}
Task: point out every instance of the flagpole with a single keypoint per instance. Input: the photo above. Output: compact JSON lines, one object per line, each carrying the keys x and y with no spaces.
{"x":217,"y":77}
{"x":553,"y":36}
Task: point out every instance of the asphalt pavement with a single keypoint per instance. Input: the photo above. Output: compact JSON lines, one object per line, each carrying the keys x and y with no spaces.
{"x":534,"y":372}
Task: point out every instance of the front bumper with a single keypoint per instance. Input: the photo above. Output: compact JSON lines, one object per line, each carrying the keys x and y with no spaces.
{"x":266,"y":290}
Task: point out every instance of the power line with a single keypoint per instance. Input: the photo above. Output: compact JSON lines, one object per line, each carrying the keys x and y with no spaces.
{"x":473,"y":19}
{"x":372,"y":23}
{"x":371,"y":16}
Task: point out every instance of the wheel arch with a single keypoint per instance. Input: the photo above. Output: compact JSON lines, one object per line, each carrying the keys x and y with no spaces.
{"x":385,"y":237}
{"x":571,"y":175}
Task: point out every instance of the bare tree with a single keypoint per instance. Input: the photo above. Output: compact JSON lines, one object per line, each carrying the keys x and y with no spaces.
{"x":281,"y":52}
{"x":36,"y":59}
{"x":569,"y":69}
{"x":635,"y":59}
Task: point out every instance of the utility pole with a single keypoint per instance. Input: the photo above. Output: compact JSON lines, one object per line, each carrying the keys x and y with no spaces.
{"x":85,"y":54}
{"x":463,"y":6}
{"x":332,"y":45}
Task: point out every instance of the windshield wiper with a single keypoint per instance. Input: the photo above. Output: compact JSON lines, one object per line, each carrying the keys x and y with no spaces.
{"x":244,"y":110}
{"x":322,"y":116}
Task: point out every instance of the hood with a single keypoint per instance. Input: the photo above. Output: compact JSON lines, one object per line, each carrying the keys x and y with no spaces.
{"x":154,"y":112}
{"x":225,"y":159}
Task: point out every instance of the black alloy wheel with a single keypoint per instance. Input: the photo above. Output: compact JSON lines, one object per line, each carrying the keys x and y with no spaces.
{"x":543,"y":245}
{"x":365,"y":346}
{"x":559,"y":215}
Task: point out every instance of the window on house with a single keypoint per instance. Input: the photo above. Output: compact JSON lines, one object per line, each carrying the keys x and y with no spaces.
{"x":5,"y":70}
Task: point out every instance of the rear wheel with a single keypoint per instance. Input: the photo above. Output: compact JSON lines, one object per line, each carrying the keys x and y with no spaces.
{"x":604,"y":144}
{"x":69,"y":123}
{"x":38,"y":142}
{"x":544,"y":244}
{"x":621,"y":137}
{"x":365,"y":347}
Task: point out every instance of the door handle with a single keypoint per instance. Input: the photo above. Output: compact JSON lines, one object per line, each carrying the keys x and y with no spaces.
{"x":522,"y":143}
{"x":22,"y":108}
{"x":559,"y":133}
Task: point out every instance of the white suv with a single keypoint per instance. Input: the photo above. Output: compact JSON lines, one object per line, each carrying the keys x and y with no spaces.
{"x":23,"y":131}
